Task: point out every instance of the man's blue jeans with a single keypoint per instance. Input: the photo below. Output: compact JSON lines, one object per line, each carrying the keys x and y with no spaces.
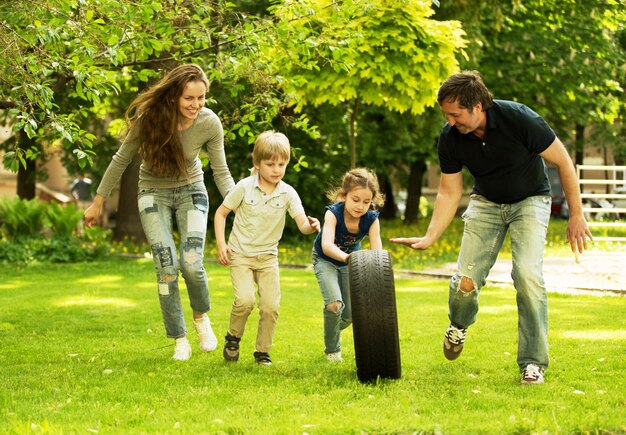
{"x":189,"y":206}
{"x":486,"y":225}
{"x":334,"y":282}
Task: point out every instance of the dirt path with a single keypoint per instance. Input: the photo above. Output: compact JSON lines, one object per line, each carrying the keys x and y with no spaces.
{"x":591,"y":272}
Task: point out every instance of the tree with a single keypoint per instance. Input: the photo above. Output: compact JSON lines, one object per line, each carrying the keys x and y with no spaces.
{"x":561,"y":57}
{"x":401,"y":145}
{"x":81,"y":65}
{"x":383,"y":53}
{"x":68,"y":62}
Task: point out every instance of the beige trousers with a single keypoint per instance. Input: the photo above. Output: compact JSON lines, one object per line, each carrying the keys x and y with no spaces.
{"x":245,"y":272}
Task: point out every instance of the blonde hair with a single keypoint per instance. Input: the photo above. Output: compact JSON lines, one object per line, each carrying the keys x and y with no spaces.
{"x":270,"y":145}
{"x":155,"y":113}
{"x":358,"y":178}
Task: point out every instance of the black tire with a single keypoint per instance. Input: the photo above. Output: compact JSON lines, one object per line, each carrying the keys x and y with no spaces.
{"x":374,"y":316}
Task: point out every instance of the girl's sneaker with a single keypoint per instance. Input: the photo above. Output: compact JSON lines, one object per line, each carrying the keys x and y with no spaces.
{"x":334,"y":357}
{"x":182,"y":350}
{"x":206,"y":337}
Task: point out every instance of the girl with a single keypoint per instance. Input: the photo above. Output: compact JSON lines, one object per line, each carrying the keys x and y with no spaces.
{"x":168,"y":125}
{"x":346,"y":223}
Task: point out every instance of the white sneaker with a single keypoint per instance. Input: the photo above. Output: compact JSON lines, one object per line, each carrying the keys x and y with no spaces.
{"x":206,"y":337}
{"x":532,"y":374}
{"x":182,"y":350}
{"x":334,"y":357}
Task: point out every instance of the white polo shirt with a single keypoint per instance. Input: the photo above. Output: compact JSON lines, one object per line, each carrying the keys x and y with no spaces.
{"x":259,"y":217}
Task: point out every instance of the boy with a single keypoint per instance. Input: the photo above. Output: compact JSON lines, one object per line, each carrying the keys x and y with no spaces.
{"x":260,"y":202}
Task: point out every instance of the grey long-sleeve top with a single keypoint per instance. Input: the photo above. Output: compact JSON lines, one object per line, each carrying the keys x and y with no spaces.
{"x":207,"y":128}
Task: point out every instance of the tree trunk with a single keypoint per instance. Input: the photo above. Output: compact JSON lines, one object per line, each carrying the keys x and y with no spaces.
{"x":390,"y":209}
{"x":128,"y":224}
{"x":580,"y":144}
{"x":353,"y":118}
{"x":414,"y":191}
{"x":26,"y":176}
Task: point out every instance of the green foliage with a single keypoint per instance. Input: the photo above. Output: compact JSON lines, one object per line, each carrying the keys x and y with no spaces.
{"x":85,"y":60}
{"x":21,"y":218}
{"x":14,"y":253}
{"x":24,"y":222}
{"x":54,"y":250}
{"x":563,"y":58}
{"x":63,"y":221}
{"x":387,"y":53}
{"x":569,"y":63}
{"x":70,"y":68}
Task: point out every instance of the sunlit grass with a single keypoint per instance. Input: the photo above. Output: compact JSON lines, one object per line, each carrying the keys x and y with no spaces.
{"x":85,"y":353}
{"x":596,"y":335}
{"x":100,"y":279}
{"x":84,"y":300}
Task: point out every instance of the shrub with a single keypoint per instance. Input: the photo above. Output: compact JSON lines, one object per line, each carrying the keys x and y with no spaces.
{"x":23,"y":222}
{"x":63,"y":221}
{"x":21,"y":217}
{"x":14,"y":253}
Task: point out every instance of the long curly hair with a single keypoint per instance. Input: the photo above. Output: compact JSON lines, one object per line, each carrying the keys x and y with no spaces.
{"x":358,"y":178}
{"x":155,"y":113}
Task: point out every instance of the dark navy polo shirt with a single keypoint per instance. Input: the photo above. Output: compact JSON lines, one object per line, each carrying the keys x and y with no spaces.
{"x":505,"y":163}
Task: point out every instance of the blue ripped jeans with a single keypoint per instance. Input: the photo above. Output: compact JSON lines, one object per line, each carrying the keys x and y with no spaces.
{"x":334,"y":282}
{"x":189,"y":206}
{"x":486,"y":225}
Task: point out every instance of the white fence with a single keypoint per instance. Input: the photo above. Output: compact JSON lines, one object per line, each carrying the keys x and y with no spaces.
{"x":603,"y":191}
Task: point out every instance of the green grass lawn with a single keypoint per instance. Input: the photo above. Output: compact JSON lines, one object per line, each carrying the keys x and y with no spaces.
{"x":84,"y":351}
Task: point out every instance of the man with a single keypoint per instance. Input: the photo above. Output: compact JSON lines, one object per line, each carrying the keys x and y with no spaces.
{"x":503,"y":144}
{"x":81,"y":191}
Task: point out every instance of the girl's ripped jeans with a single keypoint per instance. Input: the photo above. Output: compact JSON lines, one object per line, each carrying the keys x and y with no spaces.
{"x":486,"y":225}
{"x":188,"y":206}
{"x":334,"y":282}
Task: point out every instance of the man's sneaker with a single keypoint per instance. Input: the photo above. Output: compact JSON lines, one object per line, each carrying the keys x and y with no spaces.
{"x":231,"y":348}
{"x":262,"y":358}
{"x":532,"y":374}
{"x":182,"y":350}
{"x":206,"y":337}
{"x":334,"y":357}
{"x":453,"y":342}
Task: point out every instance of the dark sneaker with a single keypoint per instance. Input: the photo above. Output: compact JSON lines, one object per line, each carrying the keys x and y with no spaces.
{"x":231,"y":347}
{"x":532,"y":374}
{"x":453,"y":342}
{"x":262,"y":358}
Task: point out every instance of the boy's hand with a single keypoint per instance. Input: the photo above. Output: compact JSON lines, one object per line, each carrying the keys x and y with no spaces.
{"x":315,"y":224}
{"x":223,"y":255}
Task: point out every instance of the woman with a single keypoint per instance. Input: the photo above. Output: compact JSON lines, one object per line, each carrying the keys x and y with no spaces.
{"x":168,"y":125}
